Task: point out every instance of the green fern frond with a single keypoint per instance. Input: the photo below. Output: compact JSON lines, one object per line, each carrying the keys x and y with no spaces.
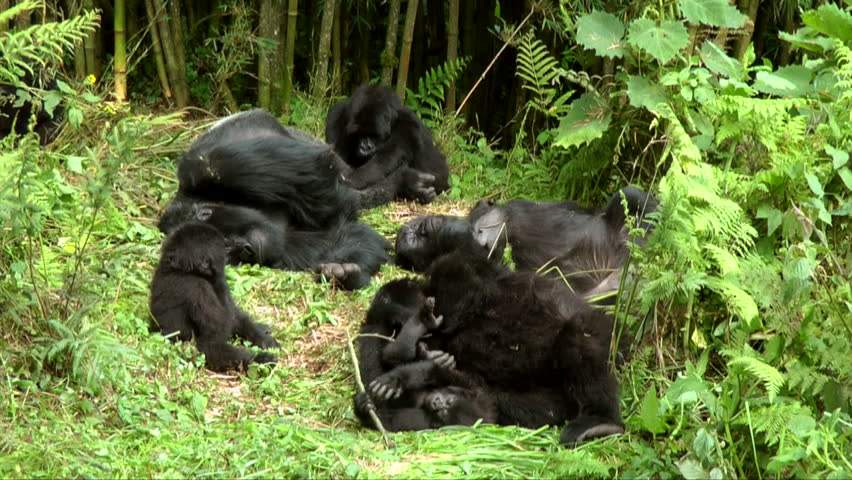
{"x":773,"y":421}
{"x":737,"y":299}
{"x":772,"y":379}
{"x":430,"y":87}
{"x":42,"y":44}
{"x":541,"y":73}
{"x":805,"y":379}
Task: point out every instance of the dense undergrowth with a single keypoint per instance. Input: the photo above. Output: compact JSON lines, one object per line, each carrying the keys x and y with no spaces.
{"x":742,"y":315}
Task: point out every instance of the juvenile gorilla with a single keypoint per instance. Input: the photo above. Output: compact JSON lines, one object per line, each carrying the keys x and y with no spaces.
{"x":189,"y":295}
{"x":18,"y":106}
{"x":387,"y":146}
{"x":413,"y":388}
{"x":348,"y":253}
{"x":585,"y":246}
{"x":522,"y":332}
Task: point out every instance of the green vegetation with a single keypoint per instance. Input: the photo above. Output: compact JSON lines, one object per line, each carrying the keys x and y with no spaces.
{"x":742,"y":316}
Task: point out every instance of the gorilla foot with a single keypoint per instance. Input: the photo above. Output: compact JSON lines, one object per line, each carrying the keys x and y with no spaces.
{"x":421,"y":186}
{"x":339,"y":272}
{"x":265,"y":357}
{"x":430,"y":320}
{"x":441,"y":358}
{"x":588,"y":428}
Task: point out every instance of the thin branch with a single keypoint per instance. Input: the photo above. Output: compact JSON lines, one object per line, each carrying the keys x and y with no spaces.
{"x":371,"y":409}
{"x":493,"y":61}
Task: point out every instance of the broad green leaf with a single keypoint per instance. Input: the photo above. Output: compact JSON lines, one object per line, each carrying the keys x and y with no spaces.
{"x":662,"y":42}
{"x":793,"y":80}
{"x":814,"y":184}
{"x":65,"y":88}
{"x":650,"y":412}
{"x":691,"y":469}
{"x":839,"y":157}
{"x":830,"y":20}
{"x":602,"y":32}
{"x":719,"y":62}
{"x":643,"y":93}
{"x":809,"y":39}
{"x":587,"y":119}
{"x":74,"y":163}
{"x":51,"y":100}
{"x":718,"y":13}
{"x":846,"y":176}
{"x":75,"y":117}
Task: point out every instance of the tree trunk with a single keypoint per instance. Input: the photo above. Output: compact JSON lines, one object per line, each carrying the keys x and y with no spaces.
{"x":158,"y":50}
{"x":452,"y":50}
{"x":788,"y":26}
{"x":270,"y":29}
{"x":743,"y":41}
{"x":4,"y":25}
{"x":177,"y":39}
{"x":120,"y":58}
{"x":407,"y":35}
{"x":178,"y":83}
{"x":389,"y":53}
{"x":92,"y":66}
{"x":321,"y":71}
{"x":23,"y":20}
{"x":336,"y":62}
{"x":289,"y":52}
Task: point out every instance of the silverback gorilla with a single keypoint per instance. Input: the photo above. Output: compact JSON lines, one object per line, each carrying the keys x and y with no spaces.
{"x":585,"y":246}
{"x":386,"y":144}
{"x":190,"y":296}
{"x":277,"y":197}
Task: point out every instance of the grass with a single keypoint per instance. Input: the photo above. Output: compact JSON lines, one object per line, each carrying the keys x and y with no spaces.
{"x":86,"y":391}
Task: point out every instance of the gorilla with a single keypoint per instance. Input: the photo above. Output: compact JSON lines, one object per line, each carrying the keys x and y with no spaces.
{"x":18,"y":107}
{"x":523,"y":332}
{"x":278,"y":198}
{"x":386,"y":144}
{"x":409,"y":387}
{"x":249,"y":159}
{"x":413,"y":388}
{"x":190,"y":297}
{"x":348,"y":253}
{"x":585,"y":247}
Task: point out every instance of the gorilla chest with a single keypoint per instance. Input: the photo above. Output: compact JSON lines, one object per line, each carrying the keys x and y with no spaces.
{"x":512,"y":350}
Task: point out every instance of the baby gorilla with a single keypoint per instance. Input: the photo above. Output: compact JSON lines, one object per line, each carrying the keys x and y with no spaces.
{"x":412,"y":388}
{"x":190,"y":297}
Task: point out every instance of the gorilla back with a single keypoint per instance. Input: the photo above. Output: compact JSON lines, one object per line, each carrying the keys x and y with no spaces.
{"x":250,"y":159}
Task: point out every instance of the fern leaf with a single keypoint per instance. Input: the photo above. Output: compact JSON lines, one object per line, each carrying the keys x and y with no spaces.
{"x":772,"y":379}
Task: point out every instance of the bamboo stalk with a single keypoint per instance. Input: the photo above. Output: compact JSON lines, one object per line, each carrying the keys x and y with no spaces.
{"x":452,"y":50}
{"x":389,"y":53}
{"x":289,"y":53}
{"x":405,"y":57}
{"x":158,"y":51}
{"x":120,"y":59}
{"x":179,"y":86}
{"x":321,"y":70}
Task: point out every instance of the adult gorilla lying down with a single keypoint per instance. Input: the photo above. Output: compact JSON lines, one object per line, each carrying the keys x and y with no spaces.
{"x":507,"y":348}
{"x":278,"y":198}
{"x":586,"y":246}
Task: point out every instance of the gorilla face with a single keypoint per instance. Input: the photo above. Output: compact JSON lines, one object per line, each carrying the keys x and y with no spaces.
{"x":425,"y":238}
{"x":488,"y":221}
{"x":366,"y":146}
{"x":454,"y":405}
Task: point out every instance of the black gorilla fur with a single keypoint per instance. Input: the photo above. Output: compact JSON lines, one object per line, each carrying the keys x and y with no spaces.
{"x":276,"y":196}
{"x":413,"y":388}
{"x":587,"y":246}
{"x":190,"y":296}
{"x":387,"y":144}
{"x":249,"y":159}
{"x":17,"y":109}
{"x":347,"y":252}
{"x":519,"y":332}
